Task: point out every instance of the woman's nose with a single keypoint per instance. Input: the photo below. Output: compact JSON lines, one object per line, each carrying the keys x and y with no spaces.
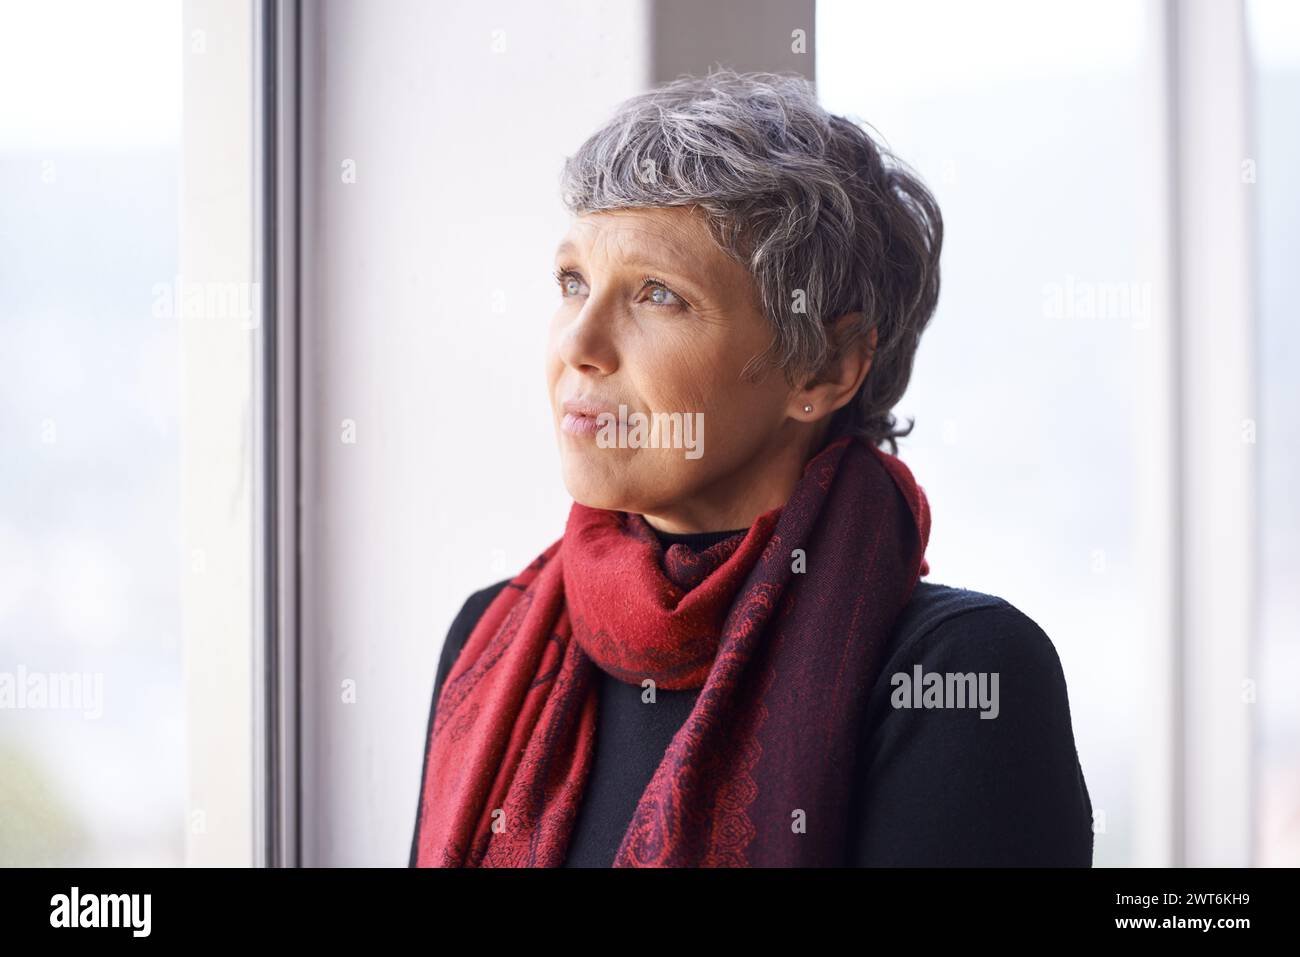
{"x":588,"y":341}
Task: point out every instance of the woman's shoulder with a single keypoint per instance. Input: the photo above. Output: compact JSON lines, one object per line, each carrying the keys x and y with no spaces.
{"x":956,"y":634}
{"x":472,"y":610}
{"x":968,"y":745}
{"x":462,"y":625}
{"x":945,"y":624}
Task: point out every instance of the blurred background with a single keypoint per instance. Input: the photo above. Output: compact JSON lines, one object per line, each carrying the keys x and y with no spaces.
{"x":1057,"y":394}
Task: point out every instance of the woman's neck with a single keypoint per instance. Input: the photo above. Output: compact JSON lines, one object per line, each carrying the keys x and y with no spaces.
{"x":756,"y":486}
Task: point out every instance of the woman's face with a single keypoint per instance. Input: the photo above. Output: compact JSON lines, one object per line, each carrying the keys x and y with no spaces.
{"x":654,"y":317}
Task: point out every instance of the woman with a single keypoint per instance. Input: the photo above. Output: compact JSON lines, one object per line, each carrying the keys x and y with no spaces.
{"x":727,"y":659}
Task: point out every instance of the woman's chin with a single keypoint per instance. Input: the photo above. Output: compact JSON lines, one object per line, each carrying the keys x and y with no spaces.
{"x":595,"y":493}
{"x":598,"y":488}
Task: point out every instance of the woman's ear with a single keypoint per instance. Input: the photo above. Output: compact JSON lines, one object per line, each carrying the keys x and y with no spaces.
{"x":841,"y":376}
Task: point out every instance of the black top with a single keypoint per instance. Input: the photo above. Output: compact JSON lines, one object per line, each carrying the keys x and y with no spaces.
{"x":937,"y":787}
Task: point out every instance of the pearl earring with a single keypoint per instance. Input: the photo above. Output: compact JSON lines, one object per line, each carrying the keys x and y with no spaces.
{"x":807,"y":408}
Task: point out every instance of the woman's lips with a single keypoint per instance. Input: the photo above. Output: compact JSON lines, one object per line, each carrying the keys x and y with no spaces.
{"x":581,"y":415}
{"x":579,"y":424}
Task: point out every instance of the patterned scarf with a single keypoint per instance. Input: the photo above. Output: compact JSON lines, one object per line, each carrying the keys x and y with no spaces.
{"x":782,"y":628}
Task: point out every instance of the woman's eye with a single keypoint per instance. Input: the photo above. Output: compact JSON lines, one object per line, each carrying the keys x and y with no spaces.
{"x":570,"y":283}
{"x":661,"y":295}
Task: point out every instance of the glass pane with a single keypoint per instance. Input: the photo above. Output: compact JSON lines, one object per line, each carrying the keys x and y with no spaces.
{"x":92,"y":725}
{"x":1026,"y":121}
{"x":1274,"y":27}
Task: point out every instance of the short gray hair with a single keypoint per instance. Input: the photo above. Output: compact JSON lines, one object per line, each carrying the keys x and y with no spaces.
{"x":822,"y":216}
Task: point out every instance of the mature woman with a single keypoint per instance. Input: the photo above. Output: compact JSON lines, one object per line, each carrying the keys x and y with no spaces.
{"x":728,"y":658}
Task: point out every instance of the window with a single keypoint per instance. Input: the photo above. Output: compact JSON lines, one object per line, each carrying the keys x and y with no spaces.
{"x":1275,"y":39}
{"x":93,"y":754}
{"x":1026,"y":382}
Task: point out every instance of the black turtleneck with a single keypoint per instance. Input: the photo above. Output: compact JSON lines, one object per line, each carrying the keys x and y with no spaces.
{"x":696,"y":541}
{"x":940,"y":787}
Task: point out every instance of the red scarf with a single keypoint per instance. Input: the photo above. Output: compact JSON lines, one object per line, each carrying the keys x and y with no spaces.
{"x":760,"y":772}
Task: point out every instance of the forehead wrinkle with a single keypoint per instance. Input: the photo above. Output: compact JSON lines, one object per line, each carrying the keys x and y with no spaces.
{"x":640,"y":243}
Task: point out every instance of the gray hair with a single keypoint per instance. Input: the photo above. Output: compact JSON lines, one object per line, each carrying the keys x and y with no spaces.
{"x":825,"y":219}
